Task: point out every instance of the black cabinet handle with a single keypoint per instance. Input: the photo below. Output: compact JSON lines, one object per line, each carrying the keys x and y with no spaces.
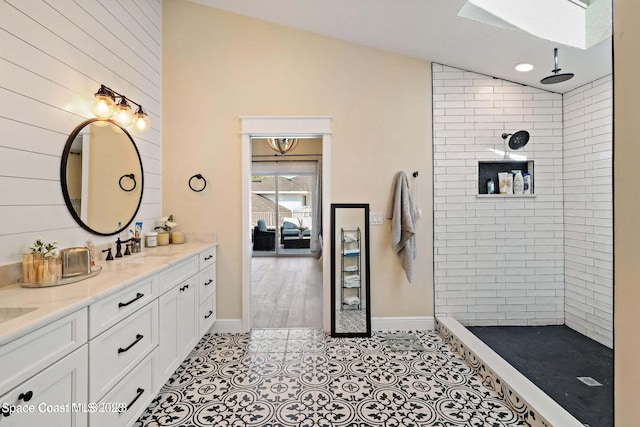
{"x":139,"y":392}
{"x":124,"y":304}
{"x":138,"y":338}
{"x":208,"y":314}
{"x":208,"y":282}
{"x":5,"y":411}
{"x":26,"y":396}
{"x":184,"y":287}
{"x":208,"y":257}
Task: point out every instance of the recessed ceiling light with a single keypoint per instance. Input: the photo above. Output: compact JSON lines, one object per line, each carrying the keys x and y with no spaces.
{"x":524,"y":67}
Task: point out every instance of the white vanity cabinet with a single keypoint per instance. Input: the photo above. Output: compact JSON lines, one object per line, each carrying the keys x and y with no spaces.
{"x":46,"y":373}
{"x":103,"y":364}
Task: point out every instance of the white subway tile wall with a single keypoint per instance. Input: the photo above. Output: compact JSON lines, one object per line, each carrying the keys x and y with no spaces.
{"x":498,"y":261}
{"x":546,"y":260}
{"x":55,"y":56}
{"x":588,"y":210}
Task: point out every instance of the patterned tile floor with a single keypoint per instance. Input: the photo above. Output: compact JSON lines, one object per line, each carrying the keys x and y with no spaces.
{"x":302,"y":377}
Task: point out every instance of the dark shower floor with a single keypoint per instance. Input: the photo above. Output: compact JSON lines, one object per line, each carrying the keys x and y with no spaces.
{"x":552,"y":357}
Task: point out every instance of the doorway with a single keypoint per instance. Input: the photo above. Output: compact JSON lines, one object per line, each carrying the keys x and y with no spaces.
{"x":286,"y":284}
{"x":292,"y":126}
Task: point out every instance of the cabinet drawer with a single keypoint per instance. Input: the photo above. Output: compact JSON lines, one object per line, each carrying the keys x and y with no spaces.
{"x":135,"y":392}
{"x":207,"y":315}
{"x":178,"y":273}
{"x":62,"y":385}
{"x":113,"y":353}
{"x":22,"y":358}
{"x":109,"y":311}
{"x":207,"y":257}
{"x":207,"y":283}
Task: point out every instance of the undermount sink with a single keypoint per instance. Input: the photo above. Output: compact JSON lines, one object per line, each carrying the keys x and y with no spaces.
{"x":143,"y":258}
{"x":10,"y":313}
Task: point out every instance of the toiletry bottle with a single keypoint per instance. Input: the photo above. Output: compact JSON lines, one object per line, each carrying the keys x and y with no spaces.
{"x":490,"y":186}
{"x":92,"y":251}
{"x":518,"y":182}
{"x":527,"y":183}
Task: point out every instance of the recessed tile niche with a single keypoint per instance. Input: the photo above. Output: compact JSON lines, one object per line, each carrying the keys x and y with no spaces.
{"x":489,"y":169}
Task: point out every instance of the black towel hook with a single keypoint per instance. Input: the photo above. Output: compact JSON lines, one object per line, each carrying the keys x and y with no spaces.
{"x":415,"y":174}
{"x":130,"y":176}
{"x":198,"y":176}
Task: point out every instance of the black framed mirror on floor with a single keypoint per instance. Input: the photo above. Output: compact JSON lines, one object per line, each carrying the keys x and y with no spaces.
{"x":350,"y":284}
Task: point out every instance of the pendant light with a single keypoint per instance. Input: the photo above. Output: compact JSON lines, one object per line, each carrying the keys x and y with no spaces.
{"x":282,"y":145}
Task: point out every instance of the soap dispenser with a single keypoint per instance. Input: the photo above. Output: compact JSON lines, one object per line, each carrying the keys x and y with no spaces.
{"x":92,"y":251}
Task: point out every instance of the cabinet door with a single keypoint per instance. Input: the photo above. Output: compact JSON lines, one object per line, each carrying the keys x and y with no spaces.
{"x":178,"y":327}
{"x":55,"y":395}
{"x":188,"y":316}
{"x":168,"y":354}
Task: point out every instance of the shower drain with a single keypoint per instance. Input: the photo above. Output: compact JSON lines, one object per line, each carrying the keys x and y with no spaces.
{"x":589,"y":381}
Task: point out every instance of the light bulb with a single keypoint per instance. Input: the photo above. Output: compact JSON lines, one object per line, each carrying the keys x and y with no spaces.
{"x":141,"y":121}
{"x":123,"y":115}
{"x":103,"y":105}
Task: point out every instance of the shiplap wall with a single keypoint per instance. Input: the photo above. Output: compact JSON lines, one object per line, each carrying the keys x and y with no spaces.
{"x":588,"y":207}
{"x":54,"y":54}
{"x":498,"y":260}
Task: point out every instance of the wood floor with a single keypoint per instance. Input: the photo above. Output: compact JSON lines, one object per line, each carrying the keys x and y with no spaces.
{"x":286,"y":292}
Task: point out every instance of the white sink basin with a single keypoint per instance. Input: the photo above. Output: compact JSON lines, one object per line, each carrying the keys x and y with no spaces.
{"x":150,"y":257}
{"x":10,"y":313}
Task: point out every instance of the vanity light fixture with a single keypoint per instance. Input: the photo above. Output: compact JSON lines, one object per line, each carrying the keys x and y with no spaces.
{"x":282,"y":145}
{"x":104,"y":106}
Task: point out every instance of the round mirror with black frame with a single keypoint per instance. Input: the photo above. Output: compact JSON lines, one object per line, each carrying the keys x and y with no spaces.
{"x":101,"y":176}
{"x":350,"y":284}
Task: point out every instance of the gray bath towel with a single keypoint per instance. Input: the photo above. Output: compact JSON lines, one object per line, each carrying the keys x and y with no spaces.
{"x":400,"y":212}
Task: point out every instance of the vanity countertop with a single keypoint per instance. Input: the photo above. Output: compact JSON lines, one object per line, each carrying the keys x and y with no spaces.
{"x":56,"y":302}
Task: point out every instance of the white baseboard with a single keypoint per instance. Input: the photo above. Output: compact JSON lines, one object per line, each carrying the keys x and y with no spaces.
{"x":426,"y":323}
{"x":227,"y":326}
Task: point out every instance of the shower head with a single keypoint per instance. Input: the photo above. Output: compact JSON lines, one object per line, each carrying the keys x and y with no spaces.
{"x":517,"y":140}
{"x":555,"y":77}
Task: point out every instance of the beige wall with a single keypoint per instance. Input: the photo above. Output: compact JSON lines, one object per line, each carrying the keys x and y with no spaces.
{"x":218,"y":66}
{"x":626,"y":151}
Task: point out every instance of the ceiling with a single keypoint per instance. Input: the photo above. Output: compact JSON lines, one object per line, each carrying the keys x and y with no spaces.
{"x":431,"y":30}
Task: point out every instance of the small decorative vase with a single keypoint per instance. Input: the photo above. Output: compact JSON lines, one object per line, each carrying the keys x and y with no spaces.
{"x":163,"y":238}
{"x":177,"y":237}
{"x":48,"y":270}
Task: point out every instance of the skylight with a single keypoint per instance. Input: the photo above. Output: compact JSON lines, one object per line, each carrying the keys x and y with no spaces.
{"x":577,"y":23}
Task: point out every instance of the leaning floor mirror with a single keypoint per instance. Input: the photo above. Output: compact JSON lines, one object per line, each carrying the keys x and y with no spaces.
{"x":350,"y":294}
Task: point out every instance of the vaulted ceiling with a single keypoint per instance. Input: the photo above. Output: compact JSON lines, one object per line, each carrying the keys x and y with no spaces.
{"x":432,"y":30}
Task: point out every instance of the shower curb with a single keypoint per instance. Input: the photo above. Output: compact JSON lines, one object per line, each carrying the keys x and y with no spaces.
{"x":533,"y":406}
